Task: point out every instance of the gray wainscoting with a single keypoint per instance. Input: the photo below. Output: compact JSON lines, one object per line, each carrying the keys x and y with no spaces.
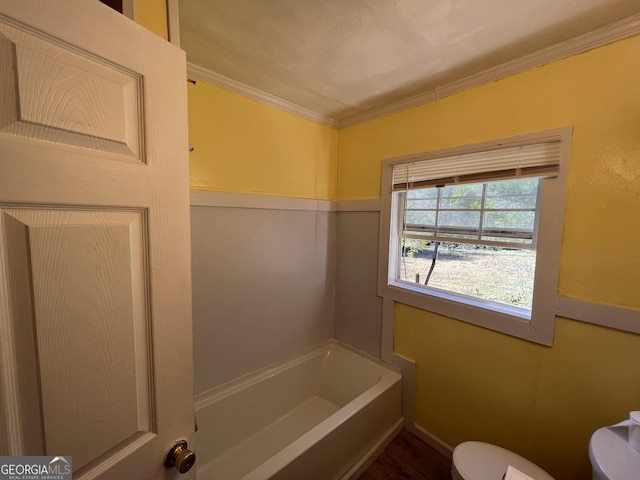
{"x":263,"y":287}
{"x":358,"y":317}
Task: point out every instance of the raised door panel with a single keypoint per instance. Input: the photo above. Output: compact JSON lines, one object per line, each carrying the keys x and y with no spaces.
{"x":78,"y":293}
{"x":66,"y":96}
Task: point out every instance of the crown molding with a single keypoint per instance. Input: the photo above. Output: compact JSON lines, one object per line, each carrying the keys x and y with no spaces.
{"x":426,"y":96}
{"x":608,"y":34}
{"x":227,"y":83}
{"x":613,"y":32}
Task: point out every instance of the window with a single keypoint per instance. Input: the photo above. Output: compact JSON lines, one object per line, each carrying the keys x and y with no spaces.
{"x":474,"y":239}
{"x":475,"y":233}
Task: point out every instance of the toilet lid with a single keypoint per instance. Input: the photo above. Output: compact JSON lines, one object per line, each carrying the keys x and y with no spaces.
{"x":611,"y":455}
{"x":483,"y":461}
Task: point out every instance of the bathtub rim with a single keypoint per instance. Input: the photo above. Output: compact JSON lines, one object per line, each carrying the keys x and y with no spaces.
{"x":224,"y":390}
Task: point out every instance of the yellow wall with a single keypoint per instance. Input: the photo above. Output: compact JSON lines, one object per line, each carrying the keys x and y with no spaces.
{"x":478,"y":384}
{"x":152,"y":14}
{"x":544,"y":403}
{"x":245,"y":146}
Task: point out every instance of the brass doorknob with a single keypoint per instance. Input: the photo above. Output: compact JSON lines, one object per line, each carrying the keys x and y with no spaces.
{"x":180,"y":457}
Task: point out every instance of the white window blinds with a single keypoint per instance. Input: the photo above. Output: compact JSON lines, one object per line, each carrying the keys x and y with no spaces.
{"x":538,"y":160}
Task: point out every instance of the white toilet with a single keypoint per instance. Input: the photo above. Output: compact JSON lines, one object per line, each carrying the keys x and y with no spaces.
{"x":483,"y":461}
{"x":612,"y":456}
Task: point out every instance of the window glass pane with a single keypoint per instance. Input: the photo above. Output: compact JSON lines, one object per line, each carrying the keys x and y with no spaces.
{"x":421,"y":217}
{"x":455,"y":203}
{"x":513,"y":201}
{"x":431,"y":203}
{"x":461,"y":196}
{"x":509,"y":220}
{"x":512,"y":193}
{"x":423,"y":193}
{"x":490,"y":273}
{"x":467,"y":218}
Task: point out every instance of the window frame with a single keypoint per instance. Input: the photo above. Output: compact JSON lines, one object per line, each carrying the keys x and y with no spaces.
{"x":502,"y":318}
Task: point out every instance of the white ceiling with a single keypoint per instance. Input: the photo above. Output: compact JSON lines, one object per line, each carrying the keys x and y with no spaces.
{"x":342,"y":58}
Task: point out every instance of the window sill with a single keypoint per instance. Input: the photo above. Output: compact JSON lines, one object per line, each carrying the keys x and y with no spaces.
{"x":518,"y":312}
{"x":511,"y":321}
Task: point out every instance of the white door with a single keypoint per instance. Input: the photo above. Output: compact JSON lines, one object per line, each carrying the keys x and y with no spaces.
{"x":95,"y":287}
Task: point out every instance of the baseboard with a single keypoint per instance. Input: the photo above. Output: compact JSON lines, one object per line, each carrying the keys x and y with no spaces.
{"x":432,"y":440}
{"x":374,"y":452}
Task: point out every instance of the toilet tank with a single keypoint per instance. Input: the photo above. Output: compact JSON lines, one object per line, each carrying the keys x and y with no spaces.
{"x":611,"y":455}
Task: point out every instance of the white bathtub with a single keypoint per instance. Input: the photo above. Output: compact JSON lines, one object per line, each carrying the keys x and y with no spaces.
{"x":318,"y":416}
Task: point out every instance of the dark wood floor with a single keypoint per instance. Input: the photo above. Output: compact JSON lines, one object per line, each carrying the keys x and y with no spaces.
{"x":409,"y":458}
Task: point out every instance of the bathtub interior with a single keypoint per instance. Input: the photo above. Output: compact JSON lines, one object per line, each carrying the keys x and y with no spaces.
{"x":246,"y":423}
